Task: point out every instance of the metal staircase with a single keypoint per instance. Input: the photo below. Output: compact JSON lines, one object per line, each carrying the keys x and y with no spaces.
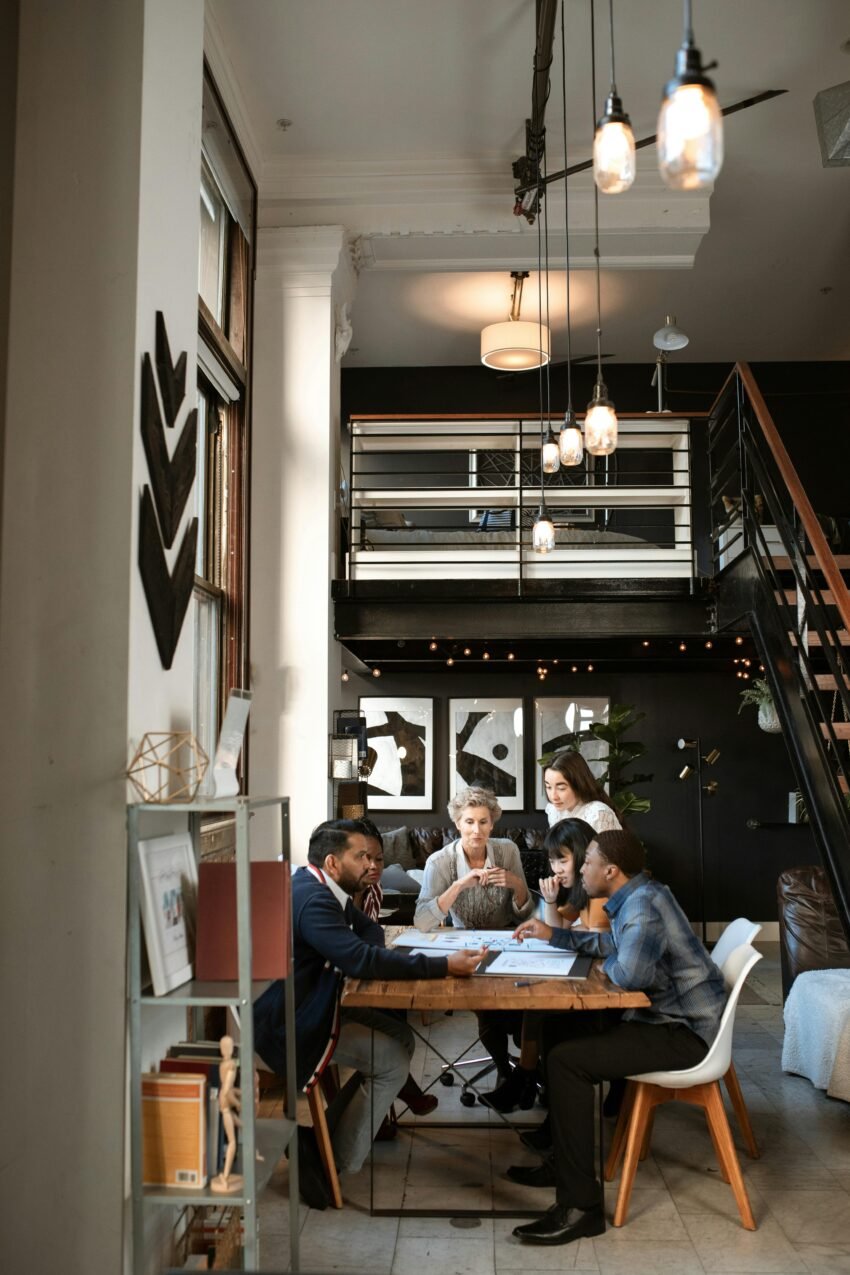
{"x":775,"y":571}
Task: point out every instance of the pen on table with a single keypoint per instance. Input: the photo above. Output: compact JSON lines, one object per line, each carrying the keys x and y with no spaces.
{"x":529,"y":982}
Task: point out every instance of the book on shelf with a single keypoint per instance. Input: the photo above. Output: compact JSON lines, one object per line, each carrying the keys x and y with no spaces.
{"x":193,"y":1066}
{"x":216,"y":952}
{"x":174,"y":1130}
{"x":206,"y":1049}
{"x":215,"y":1133}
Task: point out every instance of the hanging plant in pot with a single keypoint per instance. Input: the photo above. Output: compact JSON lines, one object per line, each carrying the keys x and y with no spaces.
{"x":760,"y":694}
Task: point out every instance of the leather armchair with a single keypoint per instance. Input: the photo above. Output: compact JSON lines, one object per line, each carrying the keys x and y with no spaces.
{"x":811,"y":935}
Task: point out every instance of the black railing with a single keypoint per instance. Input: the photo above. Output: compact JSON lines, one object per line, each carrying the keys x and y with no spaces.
{"x":775,"y":568}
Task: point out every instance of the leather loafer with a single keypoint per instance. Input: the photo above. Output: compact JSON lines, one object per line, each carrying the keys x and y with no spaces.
{"x":532,"y":1175}
{"x":562,"y":1225}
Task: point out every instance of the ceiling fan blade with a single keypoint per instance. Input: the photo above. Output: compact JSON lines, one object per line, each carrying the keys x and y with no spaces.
{"x":585,"y":164}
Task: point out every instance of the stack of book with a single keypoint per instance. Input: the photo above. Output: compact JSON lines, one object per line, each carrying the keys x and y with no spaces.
{"x":181,"y":1120}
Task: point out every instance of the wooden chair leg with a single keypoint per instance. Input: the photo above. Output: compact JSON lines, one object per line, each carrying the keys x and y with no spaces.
{"x":643,"y":1103}
{"x":718,"y":1150}
{"x":722,"y":1134}
{"x":647,"y":1137}
{"x":740,"y":1108}
{"x":323,"y":1139}
{"x":618,"y":1142}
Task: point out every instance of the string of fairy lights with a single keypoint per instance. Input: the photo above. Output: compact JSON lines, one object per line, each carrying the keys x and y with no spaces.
{"x":453,"y":653}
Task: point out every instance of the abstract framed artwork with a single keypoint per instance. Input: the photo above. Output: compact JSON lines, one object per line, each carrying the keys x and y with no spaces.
{"x":169,"y":881}
{"x":485,"y":748}
{"x":400,"y":739}
{"x":556,"y":720}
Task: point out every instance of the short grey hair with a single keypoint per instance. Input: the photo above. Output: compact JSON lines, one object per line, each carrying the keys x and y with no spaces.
{"x":474,"y":797}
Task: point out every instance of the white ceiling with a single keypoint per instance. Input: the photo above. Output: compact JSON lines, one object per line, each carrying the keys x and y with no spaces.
{"x":406,"y":117}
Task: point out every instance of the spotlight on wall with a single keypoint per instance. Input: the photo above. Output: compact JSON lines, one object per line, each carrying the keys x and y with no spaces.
{"x":710,"y":789}
{"x":686,"y":772}
{"x":712,"y":757}
{"x":344,"y":675}
{"x":687,"y":743}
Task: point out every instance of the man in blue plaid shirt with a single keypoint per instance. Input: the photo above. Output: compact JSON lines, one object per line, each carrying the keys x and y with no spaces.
{"x":651,"y":948}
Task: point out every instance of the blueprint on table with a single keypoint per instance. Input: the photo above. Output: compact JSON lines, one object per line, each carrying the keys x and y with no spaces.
{"x":465,"y":940}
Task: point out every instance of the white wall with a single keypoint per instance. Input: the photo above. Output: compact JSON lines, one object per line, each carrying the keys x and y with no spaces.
{"x":108,"y":96}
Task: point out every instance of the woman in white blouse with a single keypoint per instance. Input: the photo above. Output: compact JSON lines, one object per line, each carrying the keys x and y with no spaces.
{"x":573,"y":791}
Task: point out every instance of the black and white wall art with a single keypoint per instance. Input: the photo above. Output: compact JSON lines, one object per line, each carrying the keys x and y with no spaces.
{"x":556,"y":720}
{"x":485,"y":747}
{"x":400,"y":737}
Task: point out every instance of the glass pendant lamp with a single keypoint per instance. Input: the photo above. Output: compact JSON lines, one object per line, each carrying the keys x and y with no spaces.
{"x":570,"y":444}
{"x":550,"y":459}
{"x":600,"y":423}
{"x":613,"y":141}
{"x":543,"y":532}
{"x":689,"y":136}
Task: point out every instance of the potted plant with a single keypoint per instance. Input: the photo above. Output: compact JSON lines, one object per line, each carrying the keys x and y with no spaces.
{"x":760,"y":694}
{"x":621,"y":754}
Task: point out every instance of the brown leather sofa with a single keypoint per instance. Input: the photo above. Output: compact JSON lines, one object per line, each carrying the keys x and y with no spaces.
{"x":810,"y":932}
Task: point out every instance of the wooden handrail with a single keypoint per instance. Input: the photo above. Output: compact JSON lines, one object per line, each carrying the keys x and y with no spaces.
{"x":808,"y":517}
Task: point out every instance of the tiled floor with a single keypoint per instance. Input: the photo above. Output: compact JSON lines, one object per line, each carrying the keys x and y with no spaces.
{"x":682,"y":1218}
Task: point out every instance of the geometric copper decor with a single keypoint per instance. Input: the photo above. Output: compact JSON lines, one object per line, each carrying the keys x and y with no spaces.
{"x":168,"y":766}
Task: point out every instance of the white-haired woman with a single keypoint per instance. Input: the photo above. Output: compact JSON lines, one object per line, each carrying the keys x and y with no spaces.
{"x":479,"y":882}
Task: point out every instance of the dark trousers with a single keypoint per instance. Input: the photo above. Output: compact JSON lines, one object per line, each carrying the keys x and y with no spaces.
{"x":595,"y":1046}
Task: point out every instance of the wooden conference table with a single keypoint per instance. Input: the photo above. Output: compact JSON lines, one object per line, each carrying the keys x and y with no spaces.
{"x":481,"y":992}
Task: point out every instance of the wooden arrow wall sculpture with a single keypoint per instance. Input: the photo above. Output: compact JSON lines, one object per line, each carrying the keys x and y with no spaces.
{"x":171,"y":478}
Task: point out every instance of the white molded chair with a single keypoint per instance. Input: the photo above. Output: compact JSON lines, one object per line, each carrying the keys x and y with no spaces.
{"x":697,"y":1085}
{"x":737,"y":933}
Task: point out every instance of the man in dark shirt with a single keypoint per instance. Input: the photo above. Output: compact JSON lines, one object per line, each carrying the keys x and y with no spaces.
{"x":332,"y":939}
{"x":651,"y":948}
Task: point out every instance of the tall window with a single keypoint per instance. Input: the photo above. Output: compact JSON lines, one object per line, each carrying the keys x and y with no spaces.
{"x":228,"y":201}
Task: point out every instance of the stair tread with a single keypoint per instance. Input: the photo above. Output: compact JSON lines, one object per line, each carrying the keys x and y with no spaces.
{"x":842,"y":561}
{"x":826,"y":596}
{"x":841,"y":730}
{"x":814,"y":639}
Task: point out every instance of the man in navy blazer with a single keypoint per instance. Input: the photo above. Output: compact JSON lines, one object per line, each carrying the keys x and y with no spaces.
{"x":332,"y":940}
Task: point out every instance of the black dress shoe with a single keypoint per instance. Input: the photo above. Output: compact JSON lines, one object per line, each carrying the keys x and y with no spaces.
{"x":562,"y":1225}
{"x":312,"y":1184}
{"x":518,"y":1090}
{"x":532,"y":1175}
{"x":539,"y":1139}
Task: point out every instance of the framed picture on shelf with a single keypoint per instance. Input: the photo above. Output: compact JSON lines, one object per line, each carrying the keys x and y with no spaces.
{"x":169,"y":886}
{"x":556,"y":720}
{"x":400,"y":752}
{"x":485,"y":748}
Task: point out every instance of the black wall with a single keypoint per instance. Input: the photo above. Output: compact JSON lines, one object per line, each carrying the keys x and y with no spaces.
{"x":754,"y":777}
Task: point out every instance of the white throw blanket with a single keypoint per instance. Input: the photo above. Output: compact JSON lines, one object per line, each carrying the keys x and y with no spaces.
{"x":817,"y":1030}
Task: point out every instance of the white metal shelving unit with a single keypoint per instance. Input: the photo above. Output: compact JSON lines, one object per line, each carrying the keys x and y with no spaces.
{"x":270,"y":1137}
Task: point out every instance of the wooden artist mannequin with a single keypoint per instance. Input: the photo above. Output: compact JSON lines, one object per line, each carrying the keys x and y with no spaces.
{"x":229,"y":1104}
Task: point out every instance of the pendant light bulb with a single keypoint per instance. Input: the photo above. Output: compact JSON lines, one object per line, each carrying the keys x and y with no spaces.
{"x":550,"y":459}
{"x":543,"y":532}
{"x":614,"y":149}
{"x":570,"y":444}
{"x":689,"y":136}
{"x":600,"y":423}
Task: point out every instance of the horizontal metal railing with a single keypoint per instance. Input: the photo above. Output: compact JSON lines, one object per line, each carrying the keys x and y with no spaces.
{"x":440,"y":497}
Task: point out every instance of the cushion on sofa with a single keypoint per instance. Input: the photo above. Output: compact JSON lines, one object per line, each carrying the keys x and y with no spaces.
{"x":397,"y":848}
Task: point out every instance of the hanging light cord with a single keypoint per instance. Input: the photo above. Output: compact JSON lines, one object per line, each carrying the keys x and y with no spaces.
{"x":611,"y":35}
{"x":689,"y":24}
{"x":596,"y":204}
{"x":540,"y":316}
{"x":566,"y":214}
{"x":548,"y":327}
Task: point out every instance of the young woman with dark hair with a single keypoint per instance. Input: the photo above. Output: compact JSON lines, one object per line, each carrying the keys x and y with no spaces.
{"x":573,"y":791}
{"x":563,"y":893}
